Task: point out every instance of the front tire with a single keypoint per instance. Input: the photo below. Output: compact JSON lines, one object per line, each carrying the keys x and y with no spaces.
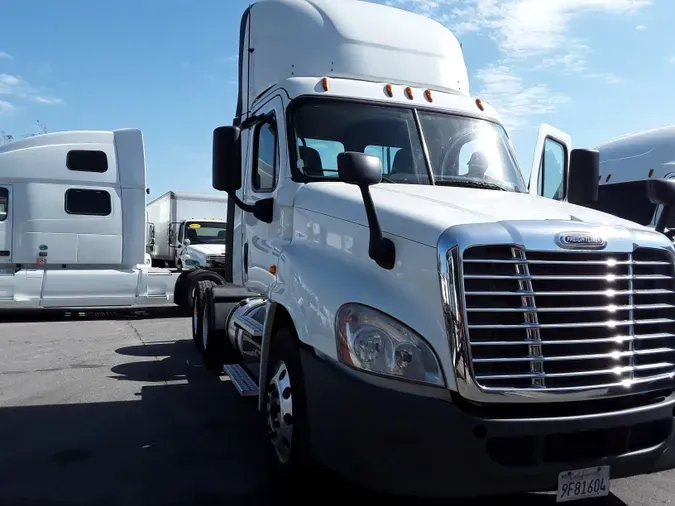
{"x":286,"y":404}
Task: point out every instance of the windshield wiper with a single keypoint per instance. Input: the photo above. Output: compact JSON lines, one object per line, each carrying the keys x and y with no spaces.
{"x":472,"y":183}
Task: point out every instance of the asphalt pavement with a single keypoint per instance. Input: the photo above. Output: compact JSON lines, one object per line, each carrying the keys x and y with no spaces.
{"x":108,"y":409}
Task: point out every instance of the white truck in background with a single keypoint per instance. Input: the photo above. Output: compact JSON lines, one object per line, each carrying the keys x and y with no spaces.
{"x":187,"y":230}
{"x":73,"y":225}
{"x":402,"y":307}
{"x":627,"y":164}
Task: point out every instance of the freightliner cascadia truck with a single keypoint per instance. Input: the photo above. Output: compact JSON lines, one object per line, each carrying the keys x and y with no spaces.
{"x":406,"y":309}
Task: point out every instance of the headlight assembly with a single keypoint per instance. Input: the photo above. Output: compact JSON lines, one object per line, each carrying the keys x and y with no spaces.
{"x":374,"y":342}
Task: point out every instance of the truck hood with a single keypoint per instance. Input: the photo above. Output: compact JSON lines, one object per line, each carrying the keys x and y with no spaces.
{"x":422,"y":212}
{"x":207,"y":249}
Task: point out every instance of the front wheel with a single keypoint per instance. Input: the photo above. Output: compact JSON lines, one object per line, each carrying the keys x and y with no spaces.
{"x":286,"y":404}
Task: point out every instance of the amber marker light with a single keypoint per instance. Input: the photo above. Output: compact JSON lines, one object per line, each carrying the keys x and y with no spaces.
{"x":479,"y":104}
{"x":409,"y":93}
{"x":388,"y":90}
{"x":427,"y":95}
{"x":324,"y":83}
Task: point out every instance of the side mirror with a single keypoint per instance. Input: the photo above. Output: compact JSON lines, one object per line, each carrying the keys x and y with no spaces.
{"x":359,"y":168}
{"x":364,"y":171}
{"x":583,"y":176}
{"x":226,"y":170}
{"x":662,"y":193}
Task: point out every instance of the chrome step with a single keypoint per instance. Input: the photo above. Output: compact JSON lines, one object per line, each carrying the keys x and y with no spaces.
{"x":245,"y":385}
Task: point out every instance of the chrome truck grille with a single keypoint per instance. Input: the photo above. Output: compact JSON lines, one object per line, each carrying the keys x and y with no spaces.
{"x":566,"y":321}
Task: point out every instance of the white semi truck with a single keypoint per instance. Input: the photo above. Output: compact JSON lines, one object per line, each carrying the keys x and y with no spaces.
{"x":627,"y":164}
{"x":73,"y":225}
{"x":404,"y":308}
{"x":187,"y":230}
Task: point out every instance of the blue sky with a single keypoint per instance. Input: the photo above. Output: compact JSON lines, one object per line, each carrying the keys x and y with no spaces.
{"x":595,"y":68}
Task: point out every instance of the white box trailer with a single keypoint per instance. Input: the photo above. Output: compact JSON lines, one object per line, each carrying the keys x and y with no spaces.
{"x":198,"y":217}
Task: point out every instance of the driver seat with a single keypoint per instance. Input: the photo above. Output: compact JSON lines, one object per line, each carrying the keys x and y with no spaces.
{"x":191,"y":234}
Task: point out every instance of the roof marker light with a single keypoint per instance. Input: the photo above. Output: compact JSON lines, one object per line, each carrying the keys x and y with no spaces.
{"x":409,"y":93}
{"x":388,"y":90}
{"x":324,"y":83}
{"x":479,"y":104}
{"x":427,"y":95}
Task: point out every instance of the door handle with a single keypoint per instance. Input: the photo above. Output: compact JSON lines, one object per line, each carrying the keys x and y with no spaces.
{"x":246,"y":258}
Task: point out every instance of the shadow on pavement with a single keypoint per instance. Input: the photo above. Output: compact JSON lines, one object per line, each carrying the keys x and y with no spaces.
{"x":188,"y":439}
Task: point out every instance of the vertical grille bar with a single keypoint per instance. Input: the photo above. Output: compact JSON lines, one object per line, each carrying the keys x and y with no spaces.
{"x":534,"y":347}
{"x":631,"y":318}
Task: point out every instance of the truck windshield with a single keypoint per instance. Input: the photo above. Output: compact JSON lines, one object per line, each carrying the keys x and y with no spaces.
{"x":205,"y":232}
{"x":463,"y":151}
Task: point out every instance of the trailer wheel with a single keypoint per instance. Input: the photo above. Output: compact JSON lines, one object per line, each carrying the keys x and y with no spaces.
{"x":198,"y":301}
{"x":186,"y":284}
{"x":286,"y":404}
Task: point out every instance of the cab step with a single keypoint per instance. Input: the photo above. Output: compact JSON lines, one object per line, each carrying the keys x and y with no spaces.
{"x":245,"y":385}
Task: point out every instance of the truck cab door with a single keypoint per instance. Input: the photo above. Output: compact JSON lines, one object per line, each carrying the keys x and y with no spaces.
{"x":267,"y":159}
{"x":5,"y":224}
{"x":550,"y":163}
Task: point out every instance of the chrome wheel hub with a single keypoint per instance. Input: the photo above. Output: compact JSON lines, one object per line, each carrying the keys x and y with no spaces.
{"x":280,"y":412}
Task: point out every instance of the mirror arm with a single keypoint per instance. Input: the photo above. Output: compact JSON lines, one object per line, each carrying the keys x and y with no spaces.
{"x":247,"y":208}
{"x":381,"y":249}
{"x":663,"y":220}
{"x":263,"y":209}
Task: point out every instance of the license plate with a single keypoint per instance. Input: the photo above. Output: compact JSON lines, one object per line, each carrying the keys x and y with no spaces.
{"x":583,"y":484}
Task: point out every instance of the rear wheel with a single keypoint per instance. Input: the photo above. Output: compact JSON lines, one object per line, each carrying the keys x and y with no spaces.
{"x":198,"y":300}
{"x":186,"y":284}
{"x":212,"y":341}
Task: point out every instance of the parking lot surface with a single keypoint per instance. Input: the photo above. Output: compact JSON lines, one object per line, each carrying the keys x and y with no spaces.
{"x":104,"y":409}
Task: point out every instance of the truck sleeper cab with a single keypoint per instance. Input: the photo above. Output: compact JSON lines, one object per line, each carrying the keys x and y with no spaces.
{"x":403,"y":307}
{"x":72,"y":223}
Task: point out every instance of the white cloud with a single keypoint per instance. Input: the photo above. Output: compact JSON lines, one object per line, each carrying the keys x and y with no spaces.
{"x":47,"y":100}
{"x":16,"y":87}
{"x":231,"y":58}
{"x":6,"y":107}
{"x":513,"y":99}
{"x":640,"y":27}
{"x":529,"y":35}
{"x":5,"y":56}
{"x":671,"y":59}
{"x":608,"y":77}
